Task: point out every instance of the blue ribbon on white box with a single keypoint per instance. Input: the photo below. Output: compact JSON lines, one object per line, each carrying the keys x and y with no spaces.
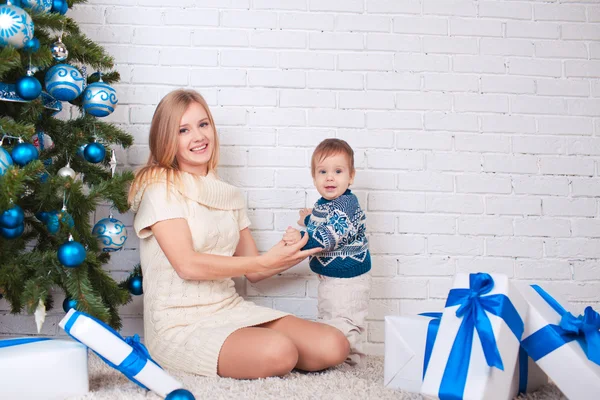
{"x":20,"y":341}
{"x":585,"y":329}
{"x":133,"y":363}
{"x":432,"y":330}
{"x":473,"y":309}
{"x":127,"y":355}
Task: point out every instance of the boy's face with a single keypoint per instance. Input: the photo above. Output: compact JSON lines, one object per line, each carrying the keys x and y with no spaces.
{"x":333,"y":176}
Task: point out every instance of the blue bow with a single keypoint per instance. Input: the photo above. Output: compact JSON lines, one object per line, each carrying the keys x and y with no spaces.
{"x":473,"y":306}
{"x":133,"y":363}
{"x":585,"y":329}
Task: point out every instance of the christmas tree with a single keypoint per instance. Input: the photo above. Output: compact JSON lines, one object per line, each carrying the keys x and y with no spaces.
{"x":55,"y":172}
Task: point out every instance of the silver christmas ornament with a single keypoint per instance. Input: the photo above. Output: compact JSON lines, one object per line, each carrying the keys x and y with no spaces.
{"x":67,"y":171}
{"x":59,"y":50}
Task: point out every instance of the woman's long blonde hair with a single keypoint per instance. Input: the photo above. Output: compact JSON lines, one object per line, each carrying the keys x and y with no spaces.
{"x":164,"y":139}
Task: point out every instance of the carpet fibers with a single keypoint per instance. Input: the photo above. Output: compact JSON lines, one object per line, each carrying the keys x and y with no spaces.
{"x":341,"y":383}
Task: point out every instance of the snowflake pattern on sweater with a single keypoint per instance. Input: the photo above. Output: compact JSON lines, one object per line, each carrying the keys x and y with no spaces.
{"x":338,"y":226}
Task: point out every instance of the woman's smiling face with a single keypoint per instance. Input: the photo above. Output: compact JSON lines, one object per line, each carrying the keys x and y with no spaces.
{"x":196,"y":141}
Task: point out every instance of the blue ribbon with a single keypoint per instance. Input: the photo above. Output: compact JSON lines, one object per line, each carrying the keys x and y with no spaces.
{"x":523,"y":370}
{"x":20,"y":341}
{"x":585,"y":329}
{"x":472,"y":308}
{"x":432,"y":330}
{"x":133,"y":363}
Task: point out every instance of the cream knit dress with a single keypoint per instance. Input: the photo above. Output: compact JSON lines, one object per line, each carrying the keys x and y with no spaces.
{"x":187,"y":322}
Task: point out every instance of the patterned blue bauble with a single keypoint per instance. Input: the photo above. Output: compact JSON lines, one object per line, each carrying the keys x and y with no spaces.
{"x":71,"y":254}
{"x":13,"y":233}
{"x":64,"y":82}
{"x":24,"y":153}
{"x":111,"y":234}
{"x":60,"y":6}
{"x":32,"y":45}
{"x":28,"y":87}
{"x":5,"y":161}
{"x":12,"y":217}
{"x":69,"y":303}
{"x":37,"y":5}
{"x":16,"y":26}
{"x":135,"y":285}
{"x":180,"y":394}
{"x":94,"y":152}
{"x":99,"y":99}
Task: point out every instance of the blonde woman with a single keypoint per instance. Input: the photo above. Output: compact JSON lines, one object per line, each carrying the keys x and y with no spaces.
{"x":194,"y":238}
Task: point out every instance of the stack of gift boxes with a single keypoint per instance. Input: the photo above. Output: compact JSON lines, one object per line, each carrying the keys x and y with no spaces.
{"x":495,"y":339}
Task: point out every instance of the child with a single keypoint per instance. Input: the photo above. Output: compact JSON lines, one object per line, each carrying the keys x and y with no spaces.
{"x":337,"y":224}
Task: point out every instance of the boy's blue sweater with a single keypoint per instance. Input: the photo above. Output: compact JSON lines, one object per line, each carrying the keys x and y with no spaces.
{"x":338,"y":226}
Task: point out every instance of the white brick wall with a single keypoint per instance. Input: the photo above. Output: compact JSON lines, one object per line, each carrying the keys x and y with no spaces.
{"x":476,"y":126}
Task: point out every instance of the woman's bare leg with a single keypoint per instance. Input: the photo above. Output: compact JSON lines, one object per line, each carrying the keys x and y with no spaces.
{"x":319,"y":346}
{"x":251,"y":353}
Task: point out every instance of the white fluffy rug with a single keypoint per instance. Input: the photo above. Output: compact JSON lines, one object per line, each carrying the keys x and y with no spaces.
{"x":342,"y":383}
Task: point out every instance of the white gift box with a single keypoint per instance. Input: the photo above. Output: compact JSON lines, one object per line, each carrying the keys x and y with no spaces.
{"x":405,"y":343}
{"x":480,"y":380}
{"x":567,"y":366}
{"x":42,"y":369}
{"x":105,"y":342}
{"x":405,"y":340}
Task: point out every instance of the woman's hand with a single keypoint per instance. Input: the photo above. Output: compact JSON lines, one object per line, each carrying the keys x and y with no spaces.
{"x":281,"y":257}
{"x":291,"y":236}
{"x":303,"y":213}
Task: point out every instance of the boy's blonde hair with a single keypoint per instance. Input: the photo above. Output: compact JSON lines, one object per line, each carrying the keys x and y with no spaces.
{"x":330,"y":147}
{"x":164,"y":139}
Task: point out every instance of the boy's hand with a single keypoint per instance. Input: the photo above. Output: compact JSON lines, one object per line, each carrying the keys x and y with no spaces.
{"x":303,"y":213}
{"x":291,"y":236}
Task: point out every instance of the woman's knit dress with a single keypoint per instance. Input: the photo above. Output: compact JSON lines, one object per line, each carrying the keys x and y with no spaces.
{"x":187,"y":322}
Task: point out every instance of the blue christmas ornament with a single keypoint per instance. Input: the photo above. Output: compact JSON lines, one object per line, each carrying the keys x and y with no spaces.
{"x":135,"y":285}
{"x":37,"y":5}
{"x":99,"y":99}
{"x":180,"y":394}
{"x":28,"y":87}
{"x":94,"y":152}
{"x":81,"y":150}
{"x":16,"y":26}
{"x":32,"y":45}
{"x":60,"y":6}
{"x":69,"y":303}
{"x":12,"y":217}
{"x":5,"y":161}
{"x":24,"y":153}
{"x":53,"y":219}
{"x":12,"y":233}
{"x":64,"y":82}
{"x":42,"y":216}
{"x":71,"y":254}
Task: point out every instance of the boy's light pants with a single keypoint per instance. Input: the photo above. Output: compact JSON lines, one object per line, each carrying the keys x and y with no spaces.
{"x":344,"y":303}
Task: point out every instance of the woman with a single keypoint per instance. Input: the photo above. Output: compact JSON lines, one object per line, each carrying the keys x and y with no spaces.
{"x":194,"y":238}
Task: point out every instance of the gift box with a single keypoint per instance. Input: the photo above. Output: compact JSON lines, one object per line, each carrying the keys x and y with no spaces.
{"x":566,"y":347}
{"x":408,"y":344}
{"x":42,"y":369}
{"x":406,"y":340}
{"x":127,"y":355}
{"x":477,"y":345}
